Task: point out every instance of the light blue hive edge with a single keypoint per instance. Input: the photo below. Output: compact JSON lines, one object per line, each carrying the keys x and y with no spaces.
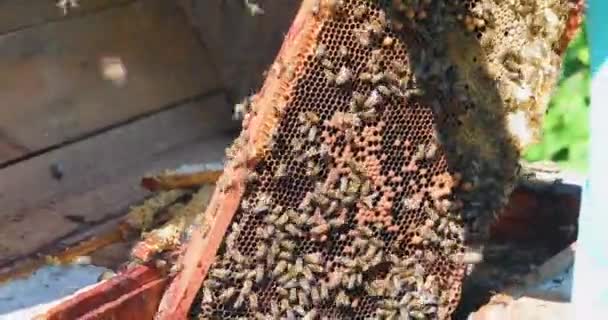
{"x":590,"y":287}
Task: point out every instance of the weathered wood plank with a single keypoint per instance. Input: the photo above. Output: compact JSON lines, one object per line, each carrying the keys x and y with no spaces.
{"x":102,"y":173}
{"x":52,"y":89}
{"x":19,"y":14}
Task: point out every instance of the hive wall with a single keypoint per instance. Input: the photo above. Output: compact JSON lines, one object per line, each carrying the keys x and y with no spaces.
{"x":387,"y":143}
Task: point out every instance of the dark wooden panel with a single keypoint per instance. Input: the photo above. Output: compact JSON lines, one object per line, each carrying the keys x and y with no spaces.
{"x":18,"y":14}
{"x":102,"y":173}
{"x":52,"y":89}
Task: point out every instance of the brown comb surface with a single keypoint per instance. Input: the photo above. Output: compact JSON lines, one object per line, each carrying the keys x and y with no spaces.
{"x":387,"y":134}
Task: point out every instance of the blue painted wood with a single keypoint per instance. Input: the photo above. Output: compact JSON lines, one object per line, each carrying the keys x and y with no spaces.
{"x":590,"y":290}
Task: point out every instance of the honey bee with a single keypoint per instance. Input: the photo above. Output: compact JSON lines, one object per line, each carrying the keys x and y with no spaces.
{"x":279,"y":268}
{"x":337,"y":222}
{"x":430,"y":256}
{"x":239,"y":275}
{"x":287,"y":280}
{"x":307,"y":272}
{"x":311,"y":315}
{"x":259,"y":273}
{"x":327,"y":64}
{"x":384,"y":90}
{"x":320,"y":229}
{"x":329,"y":76}
{"x":352,"y":281}
{"x":399,"y":67}
{"x":293,"y":283}
{"x":293,"y":295}
{"x":265,"y":232}
{"x":377,"y":259}
{"x":251,"y":274}
{"x":418,"y":315}
{"x":320,"y":51}
{"x":373,"y":100}
{"x":227,"y":294}
{"x":324,"y":291}
{"x":302,"y":219}
{"x":207,"y":295}
{"x":253,"y":301}
{"x":242,"y":108}
{"x":430,"y":235}
{"x":413,"y":92}
{"x":389,"y":304}
{"x":282,"y":292}
{"x":335,"y":5}
{"x":443,"y":223}
{"x":312,"y":133}
{"x":349,"y":200}
{"x":364,"y":38}
{"x":416,"y":240}
{"x":284,"y":304}
{"x":260,"y":316}
{"x":293,"y":230}
{"x":420,"y":152}
{"x":472,"y":257}
{"x":274,"y":307}
{"x":271,"y":218}
{"x":281,"y":171}
{"x":252,"y":177}
{"x":388,"y":41}
{"x":343,"y":52}
{"x":333,"y":206}
{"x":316,"y":7}
{"x":342,"y":299}
{"x":431,"y":151}
{"x":375,"y":27}
{"x":288,"y":244}
{"x":299,"y":265}
{"x":299,"y":310}
{"x":247,"y":286}
{"x":220,"y":273}
{"x":315,"y":296}
{"x":281,"y":220}
{"x":365,"y":76}
{"x":344,"y":76}
{"x":411,"y":203}
{"x":343,"y":184}
{"x":315,"y":268}
{"x":303,"y":299}
{"x":285,"y":255}
{"x":359,"y":12}
{"x":448,"y":244}
{"x":377,"y":77}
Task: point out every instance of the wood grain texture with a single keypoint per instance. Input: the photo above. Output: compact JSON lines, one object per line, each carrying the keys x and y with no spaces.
{"x":20,"y":14}
{"x":102,"y":173}
{"x":52,"y":89}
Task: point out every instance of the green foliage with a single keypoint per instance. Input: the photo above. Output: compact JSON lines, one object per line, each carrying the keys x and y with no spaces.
{"x":566,"y":126}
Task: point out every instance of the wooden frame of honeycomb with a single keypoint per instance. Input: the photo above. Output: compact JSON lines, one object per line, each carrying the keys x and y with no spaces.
{"x":386,"y":136}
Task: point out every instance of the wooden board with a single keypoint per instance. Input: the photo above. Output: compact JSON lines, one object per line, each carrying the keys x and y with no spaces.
{"x":101,"y":174}
{"x":21,"y":14}
{"x":52,"y":90}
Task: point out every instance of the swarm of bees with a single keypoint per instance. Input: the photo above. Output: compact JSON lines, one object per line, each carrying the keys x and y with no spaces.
{"x":395,"y":148}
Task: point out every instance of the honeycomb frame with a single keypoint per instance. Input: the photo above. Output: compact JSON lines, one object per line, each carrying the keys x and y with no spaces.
{"x":369,"y":199}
